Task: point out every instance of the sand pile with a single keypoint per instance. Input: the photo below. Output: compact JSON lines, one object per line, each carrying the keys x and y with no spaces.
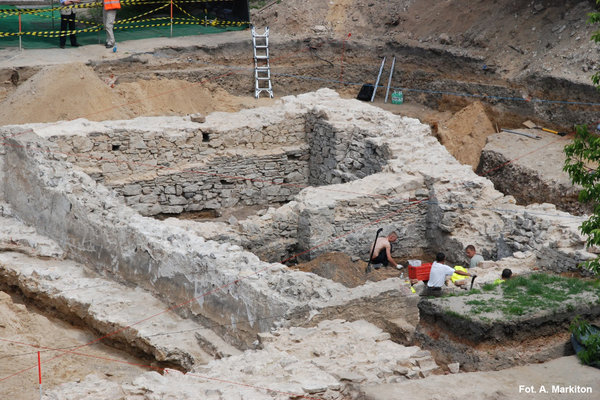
{"x":174,"y":97}
{"x":70,"y":91}
{"x":465,"y":133}
{"x":60,"y":92}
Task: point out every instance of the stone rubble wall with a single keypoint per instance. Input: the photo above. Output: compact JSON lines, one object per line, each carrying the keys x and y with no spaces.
{"x":113,"y":150}
{"x":551,"y":234}
{"x":230,"y":288}
{"x":198,"y":167}
{"x":498,"y":228}
{"x":340,"y":155}
{"x":149,"y":168}
{"x":227,"y":181}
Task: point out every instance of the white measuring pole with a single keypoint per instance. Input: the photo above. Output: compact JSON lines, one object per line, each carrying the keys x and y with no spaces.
{"x":387,"y":92}
{"x":378,"y":77}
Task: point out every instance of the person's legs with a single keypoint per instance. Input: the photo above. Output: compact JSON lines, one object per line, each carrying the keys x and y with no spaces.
{"x":108,"y":17}
{"x":63,"y":27}
{"x":381,"y":258}
{"x":428,"y":291}
{"x":71,"y":20}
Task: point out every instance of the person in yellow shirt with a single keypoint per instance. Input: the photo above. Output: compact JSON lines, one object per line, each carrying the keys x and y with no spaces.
{"x":506,"y":274}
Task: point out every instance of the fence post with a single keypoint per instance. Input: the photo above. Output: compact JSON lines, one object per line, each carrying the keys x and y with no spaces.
{"x":171,"y":18}
{"x":20,"y":39}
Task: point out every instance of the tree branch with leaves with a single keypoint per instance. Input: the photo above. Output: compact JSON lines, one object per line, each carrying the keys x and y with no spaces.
{"x":583,"y":163}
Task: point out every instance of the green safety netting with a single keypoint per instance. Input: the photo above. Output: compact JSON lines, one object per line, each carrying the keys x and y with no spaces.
{"x":39,"y":27}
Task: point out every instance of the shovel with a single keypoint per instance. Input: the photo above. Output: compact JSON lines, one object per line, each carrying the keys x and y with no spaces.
{"x":368,"y":269}
{"x":529,"y":135}
{"x":472,"y":280}
{"x":532,"y":125}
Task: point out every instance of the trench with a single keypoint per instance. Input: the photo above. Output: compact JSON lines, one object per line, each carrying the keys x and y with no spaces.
{"x":431,"y":77}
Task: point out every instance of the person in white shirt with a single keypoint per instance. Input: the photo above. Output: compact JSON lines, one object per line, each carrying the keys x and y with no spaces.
{"x":437,"y":276}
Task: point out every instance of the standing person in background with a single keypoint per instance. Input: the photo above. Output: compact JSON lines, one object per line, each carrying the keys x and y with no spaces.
{"x":67,"y":22}
{"x":109,"y":14}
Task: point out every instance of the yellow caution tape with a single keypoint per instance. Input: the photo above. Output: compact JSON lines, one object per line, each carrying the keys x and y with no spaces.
{"x":183,"y":11}
{"x":141,"y":15}
{"x":118,"y":26}
{"x":99,"y":4}
{"x":55,"y":34}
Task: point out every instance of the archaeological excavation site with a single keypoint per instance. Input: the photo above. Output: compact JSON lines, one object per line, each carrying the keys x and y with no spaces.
{"x":175,"y":225}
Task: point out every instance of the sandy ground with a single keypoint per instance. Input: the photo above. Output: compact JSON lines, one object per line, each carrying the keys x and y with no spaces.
{"x":526,"y":382}
{"x":465,"y":133}
{"x":24,"y":331}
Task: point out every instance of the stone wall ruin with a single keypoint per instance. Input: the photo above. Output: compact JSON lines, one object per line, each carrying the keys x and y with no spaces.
{"x":414,"y":187}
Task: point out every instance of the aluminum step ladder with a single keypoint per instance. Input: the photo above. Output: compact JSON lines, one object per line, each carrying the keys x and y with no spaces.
{"x":262,"y":68}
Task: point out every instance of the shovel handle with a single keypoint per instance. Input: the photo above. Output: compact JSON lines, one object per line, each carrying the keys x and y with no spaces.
{"x":555,"y":132}
{"x":472,"y":280}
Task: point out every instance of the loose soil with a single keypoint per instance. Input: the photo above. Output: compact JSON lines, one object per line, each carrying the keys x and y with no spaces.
{"x":339,"y":267}
{"x":70,"y":91}
{"x":465,"y":133}
{"x":24,"y":331}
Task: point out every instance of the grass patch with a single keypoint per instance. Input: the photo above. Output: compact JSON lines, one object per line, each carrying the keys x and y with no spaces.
{"x":488,"y":287}
{"x":530,"y":294}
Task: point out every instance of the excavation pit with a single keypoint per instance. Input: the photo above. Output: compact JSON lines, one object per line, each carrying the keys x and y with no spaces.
{"x":342,"y":168}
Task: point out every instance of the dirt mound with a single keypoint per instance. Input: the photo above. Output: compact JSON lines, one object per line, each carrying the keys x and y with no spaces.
{"x":173,"y":97}
{"x":339,"y":267}
{"x":465,"y":133}
{"x":60,"y":92}
{"x":70,"y":91}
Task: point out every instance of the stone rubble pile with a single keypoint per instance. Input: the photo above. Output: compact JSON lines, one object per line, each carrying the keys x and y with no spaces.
{"x":328,"y":361}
